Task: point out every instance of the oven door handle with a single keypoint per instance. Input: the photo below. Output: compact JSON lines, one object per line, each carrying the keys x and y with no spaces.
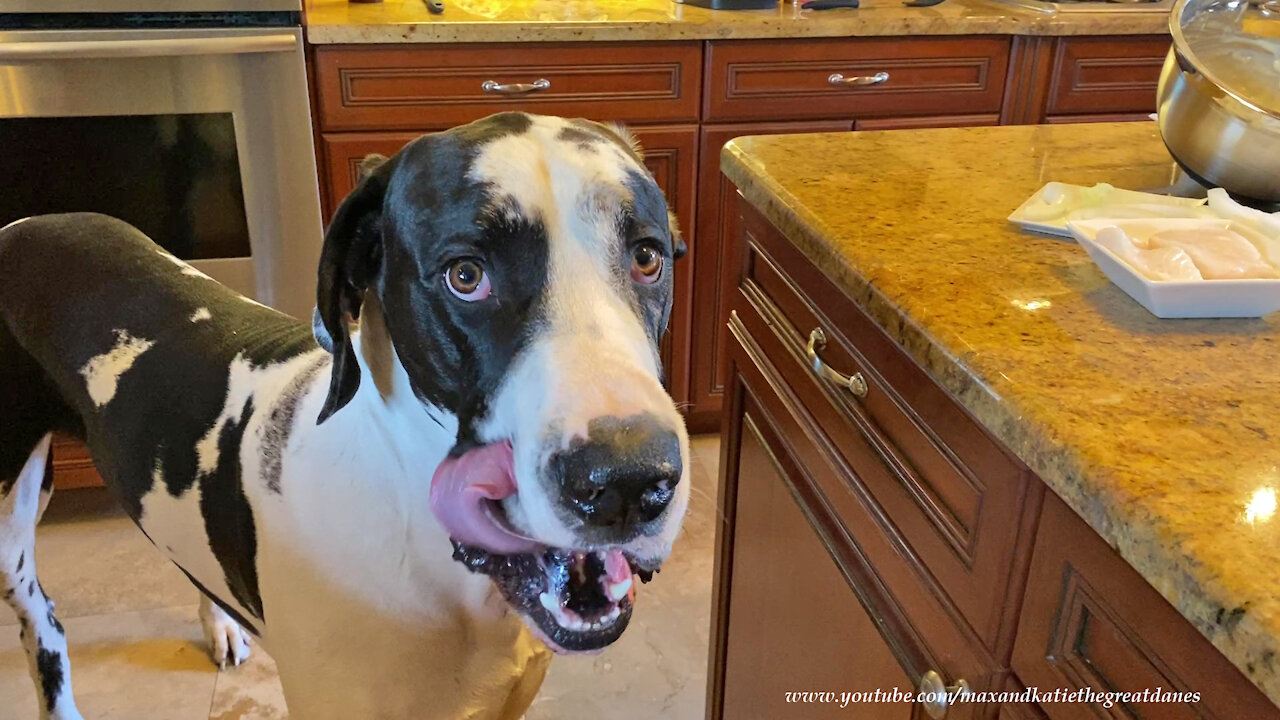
{"x":167,"y":47}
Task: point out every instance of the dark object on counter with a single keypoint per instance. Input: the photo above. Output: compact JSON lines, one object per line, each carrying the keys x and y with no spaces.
{"x":828,"y":4}
{"x":922,"y":3}
{"x":731,"y":4}
{"x":435,"y":7}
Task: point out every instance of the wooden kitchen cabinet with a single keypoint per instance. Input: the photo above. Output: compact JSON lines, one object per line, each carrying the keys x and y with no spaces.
{"x":72,"y":466}
{"x":957,"y":554}
{"x":713,"y":270}
{"x":1089,"y":620}
{"x":1083,"y":79}
{"x":790,"y":602}
{"x":375,"y":97}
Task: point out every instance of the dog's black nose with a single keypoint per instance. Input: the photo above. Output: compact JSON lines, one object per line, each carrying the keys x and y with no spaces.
{"x":623,"y":475}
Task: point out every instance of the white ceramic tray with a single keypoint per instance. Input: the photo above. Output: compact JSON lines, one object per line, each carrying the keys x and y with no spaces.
{"x":1112,"y":203}
{"x":1182,"y":298}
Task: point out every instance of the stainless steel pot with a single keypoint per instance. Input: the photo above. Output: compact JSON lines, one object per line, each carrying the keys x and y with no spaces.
{"x":1215,"y":121}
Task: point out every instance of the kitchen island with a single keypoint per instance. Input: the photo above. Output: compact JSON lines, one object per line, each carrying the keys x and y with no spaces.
{"x":1032,"y":482}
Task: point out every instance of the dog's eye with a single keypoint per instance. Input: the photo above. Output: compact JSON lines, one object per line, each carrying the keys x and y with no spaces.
{"x":467,"y":279}
{"x":646,"y":264}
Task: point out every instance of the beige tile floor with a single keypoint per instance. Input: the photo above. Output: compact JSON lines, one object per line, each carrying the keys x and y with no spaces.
{"x":137,"y":651}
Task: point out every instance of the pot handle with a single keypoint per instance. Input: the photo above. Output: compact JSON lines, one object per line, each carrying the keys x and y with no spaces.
{"x":1184,"y":64}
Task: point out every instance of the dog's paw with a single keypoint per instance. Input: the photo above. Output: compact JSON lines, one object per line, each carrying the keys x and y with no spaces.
{"x":228,"y":642}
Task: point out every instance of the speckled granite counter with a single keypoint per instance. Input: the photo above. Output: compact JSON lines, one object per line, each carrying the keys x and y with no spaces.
{"x":395,"y":21}
{"x":1159,"y":433}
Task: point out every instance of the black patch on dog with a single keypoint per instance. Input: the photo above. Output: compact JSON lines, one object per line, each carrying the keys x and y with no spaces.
{"x":426,"y":213}
{"x":22,"y":558}
{"x":49,"y":667}
{"x":583,"y":139}
{"x":31,"y":589}
{"x":279,"y":425}
{"x":228,"y":520}
{"x":649,"y":221}
{"x":174,"y":391}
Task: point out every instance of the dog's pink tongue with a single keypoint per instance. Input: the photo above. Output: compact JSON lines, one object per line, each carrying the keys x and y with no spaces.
{"x":460,"y":493}
{"x":616,"y":567}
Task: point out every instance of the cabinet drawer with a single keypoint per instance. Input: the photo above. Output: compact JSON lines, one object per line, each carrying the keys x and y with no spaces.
{"x":1089,"y":620}
{"x":418,"y":87}
{"x":793,"y":80}
{"x":956,"y":503}
{"x":884,"y":631}
{"x":1093,"y":75}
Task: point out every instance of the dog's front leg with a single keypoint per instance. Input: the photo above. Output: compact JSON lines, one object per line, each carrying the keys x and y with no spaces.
{"x":42,"y":634}
{"x":228,"y":642}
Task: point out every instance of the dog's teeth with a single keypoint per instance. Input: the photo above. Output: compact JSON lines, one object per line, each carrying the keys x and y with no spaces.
{"x":552,"y":604}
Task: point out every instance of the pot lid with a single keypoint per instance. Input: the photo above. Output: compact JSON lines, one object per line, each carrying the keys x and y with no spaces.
{"x":1236,"y":44}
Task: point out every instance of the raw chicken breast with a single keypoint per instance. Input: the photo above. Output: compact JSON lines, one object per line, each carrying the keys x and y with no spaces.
{"x":1218,"y":253}
{"x":1168,"y":263}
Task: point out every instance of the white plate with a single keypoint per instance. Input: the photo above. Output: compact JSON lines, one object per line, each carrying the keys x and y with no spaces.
{"x":1182,"y":298}
{"x":1118,"y":203}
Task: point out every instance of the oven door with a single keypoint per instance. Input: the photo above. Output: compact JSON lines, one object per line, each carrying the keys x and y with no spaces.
{"x":200,"y":138}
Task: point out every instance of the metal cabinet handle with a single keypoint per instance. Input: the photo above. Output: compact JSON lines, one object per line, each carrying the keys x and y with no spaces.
{"x":493,"y":86}
{"x":855,"y":383}
{"x":878,"y":78}
{"x":936,"y":695}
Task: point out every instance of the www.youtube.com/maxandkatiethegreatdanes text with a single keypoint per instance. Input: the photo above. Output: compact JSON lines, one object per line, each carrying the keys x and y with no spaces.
{"x":1106,"y":699}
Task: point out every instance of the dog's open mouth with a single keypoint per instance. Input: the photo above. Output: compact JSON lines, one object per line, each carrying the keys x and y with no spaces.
{"x":577,"y":600}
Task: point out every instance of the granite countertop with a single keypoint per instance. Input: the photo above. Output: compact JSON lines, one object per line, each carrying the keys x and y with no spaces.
{"x":1157,"y":432}
{"x":402,"y":21}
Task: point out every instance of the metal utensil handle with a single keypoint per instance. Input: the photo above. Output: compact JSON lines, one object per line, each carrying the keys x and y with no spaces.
{"x":493,"y":86}
{"x":878,"y":78}
{"x":169,"y":47}
{"x":936,"y":695}
{"x":854,"y":383}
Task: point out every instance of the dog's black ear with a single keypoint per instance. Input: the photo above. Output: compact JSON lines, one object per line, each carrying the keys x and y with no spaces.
{"x":678,"y":246}
{"x":349,"y":262}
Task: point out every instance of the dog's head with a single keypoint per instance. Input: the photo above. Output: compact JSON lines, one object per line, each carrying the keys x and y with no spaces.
{"x":522,"y":268}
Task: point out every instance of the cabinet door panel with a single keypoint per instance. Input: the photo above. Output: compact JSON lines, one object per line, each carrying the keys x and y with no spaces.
{"x":714,"y":271}
{"x":1089,"y":620}
{"x":794,"y":624}
{"x":343,"y":153}
{"x":916,"y":634}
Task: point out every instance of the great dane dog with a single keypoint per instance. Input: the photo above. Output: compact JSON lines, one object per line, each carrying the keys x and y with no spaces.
{"x":463,"y":462}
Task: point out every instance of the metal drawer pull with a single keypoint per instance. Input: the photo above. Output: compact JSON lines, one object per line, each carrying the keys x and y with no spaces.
{"x":878,"y":78}
{"x":937,"y":696}
{"x":493,"y":86}
{"x":855,"y":383}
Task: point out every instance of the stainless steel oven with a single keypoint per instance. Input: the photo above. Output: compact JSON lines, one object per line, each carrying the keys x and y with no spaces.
{"x":188,"y":118}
